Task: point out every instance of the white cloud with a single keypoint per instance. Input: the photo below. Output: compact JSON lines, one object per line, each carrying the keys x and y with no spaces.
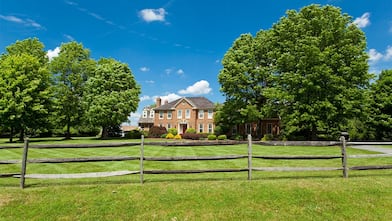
{"x":134,"y":119}
{"x":200,"y":87}
{"x":53,"y":53}
{"x":145,"y":98}
{"x":375,"y":56}
{"x":388,"y":54}
{"x":170,"y":97}
{"x":150,"y":82}
{"x":150,"y":15}
{"x":69,"y":37}
{"x":168,"y":70}
{"x":144,"y":69}
{"x":363,"y":21}
{"x":180,"y":72}
{"x":26,"y":22}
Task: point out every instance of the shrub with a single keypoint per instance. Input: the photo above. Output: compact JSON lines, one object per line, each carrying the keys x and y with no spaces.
{"x":190,"y":131}
{"x":191,"y":136}
{"x":133,"y":134}
{"x":172,"y":131}
{"x":156,"y":132}
{"x":163,"y":135}
{"x":169,"y":136}
{"x":267,"y":137}
{"x":222,"y":137}
{"x":237,"y":137}
{"x":211,"y":137}
{"x":177,"y":137}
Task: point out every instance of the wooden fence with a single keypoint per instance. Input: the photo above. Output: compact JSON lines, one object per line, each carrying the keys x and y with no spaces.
{"x":142,"y":158}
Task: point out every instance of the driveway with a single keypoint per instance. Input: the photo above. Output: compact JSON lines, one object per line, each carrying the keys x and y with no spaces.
{"x":373,"y":148}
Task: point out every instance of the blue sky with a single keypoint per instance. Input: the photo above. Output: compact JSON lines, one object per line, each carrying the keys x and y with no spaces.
{"x":174,"y":47}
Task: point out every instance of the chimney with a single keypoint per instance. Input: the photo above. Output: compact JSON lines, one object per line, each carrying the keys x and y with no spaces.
{"x":166,"y":101}
{"x":158,"y":102}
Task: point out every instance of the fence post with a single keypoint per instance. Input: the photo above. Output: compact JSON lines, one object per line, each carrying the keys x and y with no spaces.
{"x":344,"y":157}
{"x":249,"y":157}
{"x":24,"y":163}
{"x":141,"y":160}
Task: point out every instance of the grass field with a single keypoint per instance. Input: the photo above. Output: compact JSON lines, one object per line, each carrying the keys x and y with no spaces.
{"x":365,"y":195}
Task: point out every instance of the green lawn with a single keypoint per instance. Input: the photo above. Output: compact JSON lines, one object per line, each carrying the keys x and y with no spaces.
{"x":365,"y":195}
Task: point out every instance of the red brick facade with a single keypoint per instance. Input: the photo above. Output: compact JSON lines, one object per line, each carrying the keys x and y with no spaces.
{"x":184,"y":113}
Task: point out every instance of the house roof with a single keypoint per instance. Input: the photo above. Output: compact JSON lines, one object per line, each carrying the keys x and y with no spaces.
{"x":195,"y":102}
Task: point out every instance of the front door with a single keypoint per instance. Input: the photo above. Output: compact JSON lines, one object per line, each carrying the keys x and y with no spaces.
{"x":183,"y":128}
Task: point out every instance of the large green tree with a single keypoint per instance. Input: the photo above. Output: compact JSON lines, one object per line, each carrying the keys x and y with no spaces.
{"x":310,"y":68}
{"x":25,"y":87}
{"x":71,"y":70}
{"x":243,"y":78}
{"x":25,"y":94}
{"x":321,"y":70}
{"x":381,"y":106}
{"x":111,"y":94}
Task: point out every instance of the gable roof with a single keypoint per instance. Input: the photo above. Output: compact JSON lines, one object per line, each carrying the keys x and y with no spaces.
{"x":195,"y":102}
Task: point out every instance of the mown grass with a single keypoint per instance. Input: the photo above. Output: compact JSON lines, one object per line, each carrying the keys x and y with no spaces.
{"x":365,"y":195}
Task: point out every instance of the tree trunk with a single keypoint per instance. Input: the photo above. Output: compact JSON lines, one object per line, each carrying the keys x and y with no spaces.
{"x":314,"y":133}
{"x":104,"y":134}
{"x":11,"y":134}
{"x":21,"y":135}
{"x":68,"y":133}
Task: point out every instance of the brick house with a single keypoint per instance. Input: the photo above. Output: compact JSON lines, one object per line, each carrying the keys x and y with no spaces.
{"x":184,"y":113}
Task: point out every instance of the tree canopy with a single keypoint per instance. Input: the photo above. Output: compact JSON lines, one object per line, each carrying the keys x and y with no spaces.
{"x":310,"y":69}
{"x":111,"y":94}
{"x":380,"y":105}
{"x":25,"y":93}
{"x":71,"y":70}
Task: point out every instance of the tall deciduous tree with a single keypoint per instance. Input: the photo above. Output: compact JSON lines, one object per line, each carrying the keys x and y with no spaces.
{"x":321,"y":70}
{"x":243,"y":79}
{"x":310,"y":68}
{"x":25,"y":94}
{"x":381,"y":106}
{"x":71,"y":70}
{"x":25,"y":89}
{"x":112,"y":94}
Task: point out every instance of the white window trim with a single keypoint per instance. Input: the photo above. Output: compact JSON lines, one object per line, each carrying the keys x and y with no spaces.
{"x":161,"y":114}
{"x":179,"y":114}
{"x":210,"y":114}
{"x":169,"y":114}
{"x":200,"y":114}
{"x":210,"y":128}
{"x":201,"y":126}
{"x":187,"y":114}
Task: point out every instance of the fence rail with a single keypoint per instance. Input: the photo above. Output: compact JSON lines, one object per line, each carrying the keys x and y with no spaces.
{"x":142,"y":158}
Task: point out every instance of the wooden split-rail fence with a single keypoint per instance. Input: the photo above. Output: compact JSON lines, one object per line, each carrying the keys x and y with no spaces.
{"x":142,"y":158}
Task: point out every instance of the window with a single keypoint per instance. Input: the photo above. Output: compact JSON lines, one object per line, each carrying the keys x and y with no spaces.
{"x":187,"y":113}
{"x":201,"y":114}
{"x":169,"y":114}
{"x":168,"y":126}
{"x":151,"y":113}
{"x":160,"y":114}
{"x":200,"y":128}
{"x":210,"y":114}
{"x":209,"y":128}
{"x":179,"y":114}
{"x":145,"y":114}
{"x":269,"y":128}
